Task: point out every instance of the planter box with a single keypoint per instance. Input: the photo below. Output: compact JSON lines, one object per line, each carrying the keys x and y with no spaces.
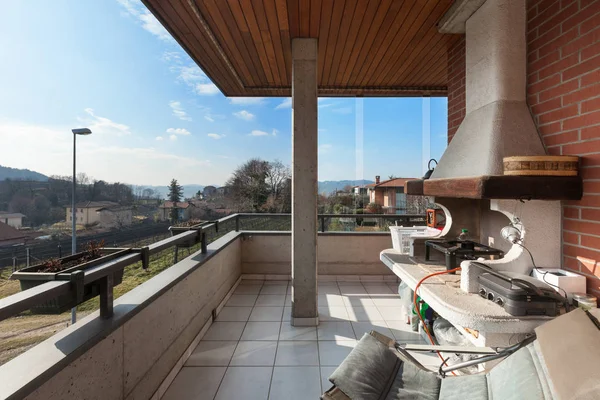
{"x":29,"y":278}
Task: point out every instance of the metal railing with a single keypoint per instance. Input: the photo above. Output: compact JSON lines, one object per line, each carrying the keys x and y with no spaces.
{"x":73,"y":284}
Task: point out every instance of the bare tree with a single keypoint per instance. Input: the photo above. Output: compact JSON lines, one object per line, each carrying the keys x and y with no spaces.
{"x":277,"y":175}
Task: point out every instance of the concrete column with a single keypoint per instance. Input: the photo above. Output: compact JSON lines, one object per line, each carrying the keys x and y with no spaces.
{"x":304,"y":182}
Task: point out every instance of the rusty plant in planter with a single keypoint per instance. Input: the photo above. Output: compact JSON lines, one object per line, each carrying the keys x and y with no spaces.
{"x":92,"y":251}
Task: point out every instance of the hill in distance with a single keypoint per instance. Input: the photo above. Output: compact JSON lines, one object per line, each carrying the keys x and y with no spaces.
{"x":21,"y":174}
{"x":327,"y":187}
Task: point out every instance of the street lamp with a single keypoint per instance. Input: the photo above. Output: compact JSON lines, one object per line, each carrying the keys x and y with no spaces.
{"x":79,"y":131}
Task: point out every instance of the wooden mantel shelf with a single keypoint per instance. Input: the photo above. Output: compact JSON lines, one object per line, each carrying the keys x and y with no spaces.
{"x":500,"y":187}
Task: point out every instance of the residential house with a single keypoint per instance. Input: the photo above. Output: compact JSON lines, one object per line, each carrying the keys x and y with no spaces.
{"x":12,"y":219}
{"x":164,"y":211}
{"x":10,"y":236}
{"x":223,"y":191}
{"x":209,"y":191}
{"x":388,"y":194}
{"x":86,"y":213}
{"x":115,"y":216}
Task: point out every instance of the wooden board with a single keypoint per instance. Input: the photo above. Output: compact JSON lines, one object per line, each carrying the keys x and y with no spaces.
{"x":366,"y":47}
{"x":501,"y":187}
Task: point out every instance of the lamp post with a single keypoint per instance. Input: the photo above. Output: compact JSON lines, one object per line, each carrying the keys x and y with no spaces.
{"x":79,"y":131}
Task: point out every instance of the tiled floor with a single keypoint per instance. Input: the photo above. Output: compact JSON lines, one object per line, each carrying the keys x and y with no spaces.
{"x":252,"y":352}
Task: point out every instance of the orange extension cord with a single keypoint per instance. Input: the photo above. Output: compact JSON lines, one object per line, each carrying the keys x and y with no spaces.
{"x":415,"y":303}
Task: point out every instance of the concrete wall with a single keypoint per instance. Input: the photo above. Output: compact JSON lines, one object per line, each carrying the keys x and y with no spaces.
{"x":136,"y":352}
{"x":338,"y":254}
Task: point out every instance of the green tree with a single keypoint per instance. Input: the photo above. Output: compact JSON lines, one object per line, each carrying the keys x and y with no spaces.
{"x":175,"y":194}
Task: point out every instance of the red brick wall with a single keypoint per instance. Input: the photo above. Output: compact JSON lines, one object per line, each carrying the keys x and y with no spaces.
{"x":456,"y":86}
{"x":563,"y":92}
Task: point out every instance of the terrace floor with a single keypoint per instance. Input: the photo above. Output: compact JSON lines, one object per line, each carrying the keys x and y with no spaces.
{"x":251,"y":351}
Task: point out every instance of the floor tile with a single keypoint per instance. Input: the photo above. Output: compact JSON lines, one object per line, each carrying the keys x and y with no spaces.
{"x":261,"y":331}
{"x":427,"y":359}
{"x":297,"y":353}
{"x":360,"y":328}
{"x":334,"y":352}
{"x":274,"y":289}
{"x":330,"y":300}
{"x":378,"y":288}
{"x":386,"y":300}
{"x":335,"y":330}
{"x":266,"y":314}
{"x":248,"y":282}
{"x":289,"y":332}
{"x":364,"y":314}
{"x":333,"y":314}
{"x":403,"y":332}
{"x":213,"y":353}
{"x":295,"y":383}
{"x":242,"y":300}
{"x":234,"y":314}
{"x":358,"y":300}
{"x":270,"y":300}
{"x":195,"y":383}
{"x":224,"y":331}
{"x":392,"y":313}
{"x":277,"y":283}
{"x":328,"y":289}
{"x":247,"y":289}
{"x":287,"y":314}
{"x":245,"y":383}
{"x":352,"y":289}
{"x":325,"y":374}
{"x":254,"y":353}
{"x":288,"y":300}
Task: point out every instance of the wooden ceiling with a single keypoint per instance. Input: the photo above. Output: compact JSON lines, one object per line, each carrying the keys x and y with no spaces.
{"x":366,"y":47}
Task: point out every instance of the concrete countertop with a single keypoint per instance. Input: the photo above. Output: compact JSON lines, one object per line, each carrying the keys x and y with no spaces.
{"x":444,"y":295}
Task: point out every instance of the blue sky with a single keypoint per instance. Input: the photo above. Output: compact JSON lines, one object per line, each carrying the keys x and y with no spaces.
{"x":110,"y":65}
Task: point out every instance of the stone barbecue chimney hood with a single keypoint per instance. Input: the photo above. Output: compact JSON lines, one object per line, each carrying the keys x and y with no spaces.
{"x":497,"y":123}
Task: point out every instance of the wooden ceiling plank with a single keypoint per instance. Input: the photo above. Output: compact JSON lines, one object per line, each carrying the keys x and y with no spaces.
{"x":304,"y":15}
{"x":267,"y":40}
{"x":428,"y":62}
{"x":336,"y":22}
{"x":393,"y":40}
{"x":284,"y":31}
{"x":248,"y":9}
{"x":274,"y":24}
{"x":357,"y":21}
{"x":357,"y":46}
{"x":315,"y":18}
{"x":219,"y":25}
{"x":326,"y":11}
{"x":236,"y":12}
{"x":293,"y":9}
{"x":383,"y":13}
{"x":342,"y":38}
{"x":212,"y":65}
{"x":419,"y":57}
{"x":421,"y":40}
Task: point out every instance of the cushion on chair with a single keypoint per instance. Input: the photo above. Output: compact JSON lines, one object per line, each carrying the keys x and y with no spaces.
{"x":471,"y":387}
{"x":368,"y":371}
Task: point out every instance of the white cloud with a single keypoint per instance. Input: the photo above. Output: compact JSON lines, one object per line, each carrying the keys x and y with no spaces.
{"x":103,"y":125}
{"x":209,"y":118}
{"x":215,"y":136}
{"x":325,"y":148}
{"x":137,"y":10}
{"x":207,"y":89}
{"x":48,"y":149}
{"x":159,"y":138}
{"x":178,"y":131}
{"x":246,"y":101}
{"x":286,"y":103}
{"x":274,"y":132}
{"x":244,"y":115}
{"x":258,"y":133}
{"x":173,"y":137}
{"x":178,"y":111}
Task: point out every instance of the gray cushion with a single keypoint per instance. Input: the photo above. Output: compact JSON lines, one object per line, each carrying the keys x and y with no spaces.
{"x":472,"y":387}
{"x":414,"y":383}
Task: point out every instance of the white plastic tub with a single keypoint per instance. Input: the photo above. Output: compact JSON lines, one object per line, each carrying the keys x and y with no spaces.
{"x":401,"y":236}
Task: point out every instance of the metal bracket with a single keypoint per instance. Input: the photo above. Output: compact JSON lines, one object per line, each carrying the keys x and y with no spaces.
{"x":106,"y":296}
{"x":203,"y":245}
